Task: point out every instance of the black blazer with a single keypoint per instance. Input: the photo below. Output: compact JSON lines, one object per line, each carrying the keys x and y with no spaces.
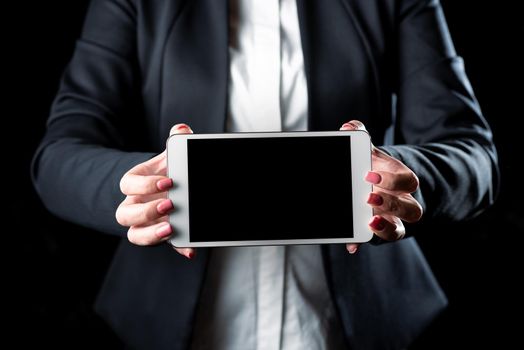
{"x":141,"y":66}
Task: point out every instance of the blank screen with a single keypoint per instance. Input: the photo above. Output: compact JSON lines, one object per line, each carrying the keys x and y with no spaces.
{"x":244,"y":189}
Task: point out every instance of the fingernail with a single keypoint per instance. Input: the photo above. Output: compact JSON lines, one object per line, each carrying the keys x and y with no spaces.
{"x":164,"y":184}
{"x":349,"y":125}
{"x":373,"y":177}
{"x":377,"y":223}
{"x":375,"y":199}
{"x":164,"y":207}
{"x":352,"y":250}
{"x":190,"y":254}
{"x":164,"y":230}
{"x":182,"y":127}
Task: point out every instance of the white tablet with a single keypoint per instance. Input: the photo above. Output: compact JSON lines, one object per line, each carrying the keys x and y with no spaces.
{"x":244,"y":189}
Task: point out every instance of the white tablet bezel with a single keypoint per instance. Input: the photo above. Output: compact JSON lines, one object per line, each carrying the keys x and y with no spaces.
{"x":178,"y":171}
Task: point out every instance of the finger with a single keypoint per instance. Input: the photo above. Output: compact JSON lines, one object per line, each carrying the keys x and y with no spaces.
{"x":352,"y":247}
{"x":353,"y":125}
{"x":133,"y":184}
{"x":145,"y":198}
{"x":389,"y":230}
{"x":380,"y":156}
{"x":143,"y":213}
{"x":180,"y":129}
{"x":151,"y":234}
{"x":406,"y":182}
{"x":383,"y":161}
{"x":154,"y":234}
{"x":189,"y":253}
{"x":405,"y":206}
{"x":153,"y":166}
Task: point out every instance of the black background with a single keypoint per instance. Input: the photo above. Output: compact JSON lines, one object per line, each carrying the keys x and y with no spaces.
{"x":53,"y":269}
{"x":302,"y":188}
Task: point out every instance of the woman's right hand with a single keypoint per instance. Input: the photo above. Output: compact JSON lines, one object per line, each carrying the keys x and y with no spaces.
{"x":146,"y":206}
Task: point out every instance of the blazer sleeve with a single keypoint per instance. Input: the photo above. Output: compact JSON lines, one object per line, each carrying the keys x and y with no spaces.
{"x":439,"y":129}
{"x":77,"y":168}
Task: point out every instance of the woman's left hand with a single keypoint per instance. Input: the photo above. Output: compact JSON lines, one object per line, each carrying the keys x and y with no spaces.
{"x":391,"y":199}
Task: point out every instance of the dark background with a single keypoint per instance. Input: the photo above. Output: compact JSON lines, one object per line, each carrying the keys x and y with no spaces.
{"x":54,"y":269}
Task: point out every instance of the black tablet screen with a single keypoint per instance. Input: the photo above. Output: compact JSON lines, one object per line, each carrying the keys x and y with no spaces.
{"x":243,"y":189}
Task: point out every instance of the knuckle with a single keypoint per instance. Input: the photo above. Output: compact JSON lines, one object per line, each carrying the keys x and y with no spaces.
{"x":417,"y":212}
{"x":120,"y":217}
{"x":139,"y":238}
{"x":394,"y":230}
{"x":396,"y":233}
{"x":132,"y":237}
{"x":150,"y":213}
{"x":123,"y":184}
{"x":405,"y":182}
{"x":413,"y":182}
{"x":393,"y":205}
{"x":391,"y":233}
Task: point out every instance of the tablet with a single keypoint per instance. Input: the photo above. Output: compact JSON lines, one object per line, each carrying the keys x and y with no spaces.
{"x":244,"y":189}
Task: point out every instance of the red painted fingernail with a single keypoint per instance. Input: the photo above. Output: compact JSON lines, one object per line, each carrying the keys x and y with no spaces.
{"x":377,"y":223}
{"x":164,"y":207}
{"x":375,"y":199}
{"x":164,"y":230}
{"x":183,"y":127}
{"x":373,"y":177}
{"x":349,"y":125}
{"x":164,"y":184}
{"x":191,"y":255}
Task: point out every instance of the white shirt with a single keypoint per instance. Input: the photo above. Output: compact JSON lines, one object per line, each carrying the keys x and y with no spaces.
{"x":276,"y":297}
{"x":267,"y":83}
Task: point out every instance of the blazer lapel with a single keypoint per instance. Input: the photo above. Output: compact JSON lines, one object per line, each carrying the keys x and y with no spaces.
{"x":193,"y":90}
{"x":194,"y":83}
{"x":340,"y":75}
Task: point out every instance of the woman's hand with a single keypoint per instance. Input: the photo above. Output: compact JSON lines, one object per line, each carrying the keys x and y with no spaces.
{"x":391,"y":199}
{"x":146,"y":206}
{"x":145,"y":209}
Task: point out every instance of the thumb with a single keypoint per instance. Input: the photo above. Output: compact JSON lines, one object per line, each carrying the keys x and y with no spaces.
{"x":358,"y":125}
{"x":180,"y":129}
{"x":353,"y":125}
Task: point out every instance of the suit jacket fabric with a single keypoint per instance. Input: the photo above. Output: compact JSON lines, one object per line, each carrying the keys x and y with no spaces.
{"x":141,"y":66}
